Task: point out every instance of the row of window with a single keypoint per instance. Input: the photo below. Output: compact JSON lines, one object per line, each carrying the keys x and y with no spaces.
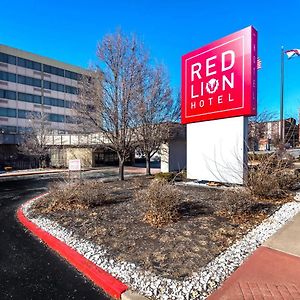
{"x":23,"y":114}
{"x":29,"y":98}
{"x":12,"y":95}
{"x":57,"y":102}
{"x":8,"y":129}
{"x":22,"y":62}
{"x":29,"y":64}
{"x":6,"y":76}
{"x":6,"y":94}
{"x":18,"y":129}
{"x":29,"y":81}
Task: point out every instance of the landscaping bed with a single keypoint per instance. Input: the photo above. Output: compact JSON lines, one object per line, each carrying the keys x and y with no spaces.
{"x":205,"y":225}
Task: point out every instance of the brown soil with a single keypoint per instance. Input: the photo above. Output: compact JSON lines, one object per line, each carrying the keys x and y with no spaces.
{"x":203,"y":230}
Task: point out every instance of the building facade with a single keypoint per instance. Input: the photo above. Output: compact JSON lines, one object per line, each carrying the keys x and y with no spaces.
{"x":266,"y":135}
{"x":29,"y":84}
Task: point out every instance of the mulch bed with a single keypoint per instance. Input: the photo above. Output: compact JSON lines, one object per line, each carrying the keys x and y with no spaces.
{"x":176,"y":250}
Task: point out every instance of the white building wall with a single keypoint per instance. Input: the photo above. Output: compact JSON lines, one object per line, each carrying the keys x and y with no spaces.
{"x":173,"y":156}
{"x":216,"y":150}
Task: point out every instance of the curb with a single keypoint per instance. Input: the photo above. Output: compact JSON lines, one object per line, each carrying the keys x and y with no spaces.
{"x":112,"y":286}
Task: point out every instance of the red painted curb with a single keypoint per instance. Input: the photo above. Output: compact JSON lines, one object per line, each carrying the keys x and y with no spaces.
{"x":101,"y":278}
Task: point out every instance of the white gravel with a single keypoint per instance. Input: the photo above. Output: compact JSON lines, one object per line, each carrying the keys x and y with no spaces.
{"x":197,"y":286}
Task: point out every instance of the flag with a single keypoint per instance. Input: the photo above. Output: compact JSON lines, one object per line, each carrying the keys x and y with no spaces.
{"x":292,"y":53}
{"x":259,"y":63}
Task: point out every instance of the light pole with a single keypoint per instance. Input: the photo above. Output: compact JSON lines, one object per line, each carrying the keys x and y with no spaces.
{"x":281,"y":96}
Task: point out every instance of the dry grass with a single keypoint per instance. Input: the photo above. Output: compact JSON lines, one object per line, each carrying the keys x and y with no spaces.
{"x":203,"y":230}
{"x":238,"y":200}
{"x":74,"y":196}
{"x":162,"y":201}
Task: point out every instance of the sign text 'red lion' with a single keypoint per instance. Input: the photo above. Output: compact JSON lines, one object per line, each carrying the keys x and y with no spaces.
{"x":219,"y":80}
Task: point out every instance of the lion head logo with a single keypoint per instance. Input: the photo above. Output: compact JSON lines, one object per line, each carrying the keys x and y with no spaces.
{"x":212,"y":86}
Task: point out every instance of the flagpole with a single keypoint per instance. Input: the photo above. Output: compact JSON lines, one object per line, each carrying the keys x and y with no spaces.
{"x":281,"y":96}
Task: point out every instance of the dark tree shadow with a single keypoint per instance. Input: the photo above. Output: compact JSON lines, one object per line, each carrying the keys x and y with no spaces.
{"x":194,"y":209}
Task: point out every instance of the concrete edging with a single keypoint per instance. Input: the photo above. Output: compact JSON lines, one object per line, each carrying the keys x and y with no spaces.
{"x":112,"y":286}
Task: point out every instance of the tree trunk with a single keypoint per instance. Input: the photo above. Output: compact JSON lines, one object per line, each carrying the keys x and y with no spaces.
{"x":40,"y":162}
{"x":121,"y":168}
{"x":148,"y":170}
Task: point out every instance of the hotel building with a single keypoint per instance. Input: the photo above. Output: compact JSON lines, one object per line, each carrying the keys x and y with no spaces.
{"x":32,"y":83}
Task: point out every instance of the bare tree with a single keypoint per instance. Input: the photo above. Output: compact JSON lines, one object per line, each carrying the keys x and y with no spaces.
{"x":108,"y":95}
{"x":258,"y":128}
{"x":156,"y":113}
{"x":34,"y":140}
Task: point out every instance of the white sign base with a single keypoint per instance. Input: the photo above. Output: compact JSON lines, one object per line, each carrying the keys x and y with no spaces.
{"x":216,"y":150}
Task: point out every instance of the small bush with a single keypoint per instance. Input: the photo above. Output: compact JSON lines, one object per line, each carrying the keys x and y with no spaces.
{"x":161,"y":200}
{"x":238,"y":200}
{"x":259,"y":156}
{"x":167,"y":176}
{"x":171,"y":176}
{"x":272,"y":177}
{"x":75,"y":196}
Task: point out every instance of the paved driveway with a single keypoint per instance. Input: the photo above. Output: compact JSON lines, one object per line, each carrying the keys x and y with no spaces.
{"x":28,"y":269}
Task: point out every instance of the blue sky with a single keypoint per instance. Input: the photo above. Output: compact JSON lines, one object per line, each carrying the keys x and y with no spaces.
{"x":69,"y":31}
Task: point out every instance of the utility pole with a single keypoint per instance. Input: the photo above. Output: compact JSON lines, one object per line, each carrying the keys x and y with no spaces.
{"x":281,"y":97}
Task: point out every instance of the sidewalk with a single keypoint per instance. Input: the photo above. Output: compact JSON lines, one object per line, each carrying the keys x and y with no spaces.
{"x":31,"y":172}
{"x":271,"y":272}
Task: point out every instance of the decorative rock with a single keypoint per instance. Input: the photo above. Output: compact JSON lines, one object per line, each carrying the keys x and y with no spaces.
{"x":197,"y":286}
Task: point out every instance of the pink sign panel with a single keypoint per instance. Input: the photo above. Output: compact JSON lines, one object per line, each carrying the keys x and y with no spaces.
{"x":219,"y":80}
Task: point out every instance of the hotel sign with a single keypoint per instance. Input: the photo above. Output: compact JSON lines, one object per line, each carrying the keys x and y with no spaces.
{"x":219,"y":80}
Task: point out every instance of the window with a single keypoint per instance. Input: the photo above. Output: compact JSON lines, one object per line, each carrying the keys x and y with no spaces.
{"x":7,"y":76}
{"x":29,"y":81}
{"x":22,"y":79}
{"x":22,"y":113}
{"x":60,"y":103}
{"x":60,"y":87}
{"x":29,"y":64}
{"x":54,"y":102}
{"x":8,"y":112}
{"x":46,"y":84}
{"x":71,"y":89}
{"x":37,"y":82}
{"x":72,"y":75}
{"x":21,"y":62}
{"x":6,"y":58}
{"x":24,"y":97}
{"x":8,"y":129}
{"x":54,"y":86}
{"x":56,"y":118}
{"x":37,"y":99}
{"x":68,"y":104}
{"x":53,"y":70}
{"x":37,"y":66}
{"x":29,"y":98}
{"x":6,"y":94}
